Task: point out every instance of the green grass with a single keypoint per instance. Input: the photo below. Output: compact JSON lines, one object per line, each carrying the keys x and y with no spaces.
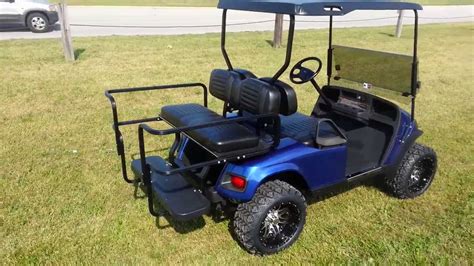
{"x":63,"y":200}
{"x":214,"y":2}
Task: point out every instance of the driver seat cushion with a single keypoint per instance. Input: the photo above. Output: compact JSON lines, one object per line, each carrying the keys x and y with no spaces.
{"x":302,"y":128}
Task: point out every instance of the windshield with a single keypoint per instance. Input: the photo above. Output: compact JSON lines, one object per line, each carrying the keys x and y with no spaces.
{"x":380,"y":73}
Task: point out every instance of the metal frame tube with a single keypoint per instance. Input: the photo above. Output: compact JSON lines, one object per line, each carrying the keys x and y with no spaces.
{"x":414,"y":71}
{"x":289,"y":50}
{"x":330,"y":51}
{"x":117,"y":124}
{"x":223,"y":37}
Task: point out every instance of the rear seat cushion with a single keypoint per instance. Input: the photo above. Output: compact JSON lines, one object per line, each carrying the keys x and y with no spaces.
{"x":177,"y":115}
{"x":226,"y":138}
{"x":223,"y":85}
{"x":220,"y":139}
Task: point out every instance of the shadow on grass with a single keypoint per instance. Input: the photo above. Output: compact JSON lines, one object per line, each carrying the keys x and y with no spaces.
{"x":387,"y":34}
{"x":78,"y":53}
{"x":165,"y":220}
{"x":270,"y":42}
{"x":375,"y":182}
{"x":179,"y":227}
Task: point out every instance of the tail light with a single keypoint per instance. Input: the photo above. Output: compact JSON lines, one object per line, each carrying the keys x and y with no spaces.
{"x":238,"y":182}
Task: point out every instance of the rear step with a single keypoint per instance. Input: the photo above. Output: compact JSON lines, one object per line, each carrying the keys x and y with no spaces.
{"x":176,"y":195}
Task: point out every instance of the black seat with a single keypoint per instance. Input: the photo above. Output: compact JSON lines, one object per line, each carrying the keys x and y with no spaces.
{"x":250,"y":95}
{"x":255,"y":97}
{"x":223,"y":85}
{"x":303,"y":128}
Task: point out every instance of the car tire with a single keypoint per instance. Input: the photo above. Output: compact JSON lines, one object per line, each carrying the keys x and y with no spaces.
{"x":272,"y":220}
{"x":38,"y":23}
{"x":415,"y":173}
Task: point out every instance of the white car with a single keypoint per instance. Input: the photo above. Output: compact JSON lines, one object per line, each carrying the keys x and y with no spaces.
{"x":38,"y":15}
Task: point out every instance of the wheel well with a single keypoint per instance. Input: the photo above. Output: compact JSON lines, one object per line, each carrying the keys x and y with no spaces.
{"x":34,"y":11}
{"x":293,"y":178}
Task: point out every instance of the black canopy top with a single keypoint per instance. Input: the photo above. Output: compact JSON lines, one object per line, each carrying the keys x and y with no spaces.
{"x":315,"y":7}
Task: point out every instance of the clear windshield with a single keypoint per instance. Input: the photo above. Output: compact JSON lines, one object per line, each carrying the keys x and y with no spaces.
{"x":384,"y":74}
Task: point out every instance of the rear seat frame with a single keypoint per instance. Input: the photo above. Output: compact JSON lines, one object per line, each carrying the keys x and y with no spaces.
{"x":117,"y":124}
{"x":177,"y":131}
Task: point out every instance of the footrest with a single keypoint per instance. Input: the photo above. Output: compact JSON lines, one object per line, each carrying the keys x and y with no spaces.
{"x":176,"y":195}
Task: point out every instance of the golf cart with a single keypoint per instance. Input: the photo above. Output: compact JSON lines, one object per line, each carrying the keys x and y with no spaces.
{"x":261,"y":158}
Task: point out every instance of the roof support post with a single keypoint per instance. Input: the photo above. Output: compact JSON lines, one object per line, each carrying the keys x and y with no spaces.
{"x":289,"y":50}
{"x":414,"y":70}
{"x":223,"y":35}
{"x":330,"y":51}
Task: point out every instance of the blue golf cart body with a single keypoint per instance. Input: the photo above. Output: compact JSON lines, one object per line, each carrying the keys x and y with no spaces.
{"x":262,"y":143}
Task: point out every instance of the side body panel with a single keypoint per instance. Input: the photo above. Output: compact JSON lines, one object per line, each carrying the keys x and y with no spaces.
{"x":319,"y":168}
{"x":10,"y":12}
{"x":406,"y":136}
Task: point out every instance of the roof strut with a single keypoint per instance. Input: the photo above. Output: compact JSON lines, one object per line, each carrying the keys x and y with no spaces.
{"x":330,"y":51}
{"x":223,"y":35}
{"x":414,"y":70}
{"x":289,"y":50}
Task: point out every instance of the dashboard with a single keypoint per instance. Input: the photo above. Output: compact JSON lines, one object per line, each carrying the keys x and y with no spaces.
{"x":358,"y":105}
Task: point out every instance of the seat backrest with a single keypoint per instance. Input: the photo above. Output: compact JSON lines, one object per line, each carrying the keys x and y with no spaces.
{"x":258,"y":97}
{"x":289,"y":102}
{"x":223,"y":83}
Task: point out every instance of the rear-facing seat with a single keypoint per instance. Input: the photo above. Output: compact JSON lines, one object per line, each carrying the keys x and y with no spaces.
{"x":223,"y":85}
{"x":250,"y":95}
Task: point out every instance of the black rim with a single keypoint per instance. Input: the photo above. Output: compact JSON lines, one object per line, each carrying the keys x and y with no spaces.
{"x":421,"y":175}
{"x":280,"y":225}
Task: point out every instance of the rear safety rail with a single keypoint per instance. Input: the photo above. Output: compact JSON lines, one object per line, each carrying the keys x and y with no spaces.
{"x":117,"y":124}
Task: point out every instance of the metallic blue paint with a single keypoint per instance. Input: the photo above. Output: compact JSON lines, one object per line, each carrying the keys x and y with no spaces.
{"x":406,"y":129}
{"x":319,"y":168}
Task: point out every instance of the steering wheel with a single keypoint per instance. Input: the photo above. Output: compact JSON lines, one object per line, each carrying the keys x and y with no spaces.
{"x":300,"y":74}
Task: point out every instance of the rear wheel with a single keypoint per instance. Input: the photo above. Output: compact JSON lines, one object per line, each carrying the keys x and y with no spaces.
{"x":272,"y":220}
{"x":38,"y":23}
{"x":415,"y":173}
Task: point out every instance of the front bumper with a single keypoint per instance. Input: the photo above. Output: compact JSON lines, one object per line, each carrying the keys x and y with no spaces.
{"x":52,"y":17}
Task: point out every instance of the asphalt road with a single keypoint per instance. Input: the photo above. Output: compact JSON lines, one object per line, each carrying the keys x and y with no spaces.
{"x":161,"y":21}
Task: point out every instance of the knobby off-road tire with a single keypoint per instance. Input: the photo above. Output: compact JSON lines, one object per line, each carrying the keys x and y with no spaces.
{"x":415,"y":173}
{"x":257,"y":222}
{"x":38,"y":23}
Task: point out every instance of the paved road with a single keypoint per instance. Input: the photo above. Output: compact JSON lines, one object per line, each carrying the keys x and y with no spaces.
{"x":157,"y":19}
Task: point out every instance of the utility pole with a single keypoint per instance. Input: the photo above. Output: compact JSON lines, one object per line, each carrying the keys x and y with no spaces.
{"x":278,"y":33}
{"x":65,"y":31}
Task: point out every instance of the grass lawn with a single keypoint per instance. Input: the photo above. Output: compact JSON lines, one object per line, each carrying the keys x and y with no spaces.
{"x":214,"y":2}
{"x":63,"y":200}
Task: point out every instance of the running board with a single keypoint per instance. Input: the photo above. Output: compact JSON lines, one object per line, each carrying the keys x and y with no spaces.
{"x":365,"y":175}
{"x":182,"y":201}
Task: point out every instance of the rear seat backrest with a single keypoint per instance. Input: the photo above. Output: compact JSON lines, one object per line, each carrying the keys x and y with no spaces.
{"x":225,"y":85}
{"x":258,"y":97}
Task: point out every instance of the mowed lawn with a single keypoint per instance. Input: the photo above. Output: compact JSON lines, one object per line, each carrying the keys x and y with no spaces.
{"x":214,"y":2}
{"x":63,"y":200}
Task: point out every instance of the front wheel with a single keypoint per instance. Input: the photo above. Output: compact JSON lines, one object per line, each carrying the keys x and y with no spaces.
{"x":415,"y":173}
{"x":272,"y":220}
{"x":38,"y":23}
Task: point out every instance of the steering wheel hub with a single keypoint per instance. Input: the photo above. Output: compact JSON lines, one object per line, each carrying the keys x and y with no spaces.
{"x":300,"y":74}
